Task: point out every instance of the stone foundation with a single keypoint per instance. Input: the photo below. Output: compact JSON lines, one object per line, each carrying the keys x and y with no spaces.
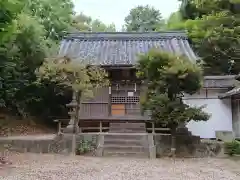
{"x":187,"y":146}
{"x":59,"y":144}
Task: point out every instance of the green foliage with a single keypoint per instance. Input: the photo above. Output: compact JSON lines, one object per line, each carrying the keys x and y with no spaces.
{"x":144,"y":18}
{"x":21,"y":55}
{"x":175,"y":73}
{"x":175,"y":21}
{"x":188,"y":10}
{"x":8,"y":12}
{"x":84,"y":147}
{"x":216,"y":39}
{"x":82,"y":22}
{"x":213,"y":27}
{"x":167,"y":78}
{"x":72,"y":74}
{"x":171,"y":113}
{"x":232,"y":148}
{"x":30,"y":32}
{"x":54,"y":15}
{"x":98,"y":26}
{"x":192,"y":9}
{"x":35,"y":28}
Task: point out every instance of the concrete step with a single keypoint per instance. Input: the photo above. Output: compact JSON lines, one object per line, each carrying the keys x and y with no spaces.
{"x":126,"y":154}
{"x":127,"y":136}
{"x":127,"y":130}
{"x":126,"y":145}
{"x":133,"y":142}
{"x":121,"y":127}
{"x":127,"y":125}
{"x":124,"y":148}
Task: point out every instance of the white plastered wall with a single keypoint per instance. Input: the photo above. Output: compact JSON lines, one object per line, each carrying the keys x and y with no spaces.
{"x":220,"y":111}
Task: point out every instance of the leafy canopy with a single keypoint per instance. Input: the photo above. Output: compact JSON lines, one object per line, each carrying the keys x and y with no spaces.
{"x":8,"y":12}
{"x":213,"y":26}
{"x":82,"y":22}
{"x":143,"y":18}
{"x":167,"y":78}
{"x":30,"y":31}
{"x":73,"y":74}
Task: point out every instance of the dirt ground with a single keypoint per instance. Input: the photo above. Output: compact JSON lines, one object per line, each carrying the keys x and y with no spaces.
{"x":59,"y":167}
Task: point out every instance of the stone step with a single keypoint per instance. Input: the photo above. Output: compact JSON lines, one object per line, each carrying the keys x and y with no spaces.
{"x":128,"y":136}
{"x":127,"y":127}
{"x":127,"y":130}
{"x":126,"y":154}
{"x":126,"y":144}
{"x":124,"y":148}
{"x":130,"y":125}
{"x":133,"y":142}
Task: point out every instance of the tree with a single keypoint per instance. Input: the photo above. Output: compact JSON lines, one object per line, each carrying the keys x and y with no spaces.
{"x":175,"y":21}
{"x":8,"y":12}
{"x":32,"y":38}
{"x":73,"y":74}
{"x":80,"y":78}
{"x":24,"y":52}
{"x":82,"y":22}
{"x":213,"y":28}
{"x":168,"y":78}
{"x":54,"y":15}
{"x":30,"y":32}
{"x":144,"y":18}
{"x":98,"y":26}
{"x":192,"y":9}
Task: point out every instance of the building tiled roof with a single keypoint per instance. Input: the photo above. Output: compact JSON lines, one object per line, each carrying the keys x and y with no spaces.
{"x":122,"y":48}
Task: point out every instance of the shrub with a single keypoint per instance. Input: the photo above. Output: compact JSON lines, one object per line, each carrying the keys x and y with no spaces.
{"x":232,"y":148}
{"x":84,"y":147}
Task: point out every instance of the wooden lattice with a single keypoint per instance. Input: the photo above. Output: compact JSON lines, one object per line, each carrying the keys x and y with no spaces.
{"x":123,"y":99}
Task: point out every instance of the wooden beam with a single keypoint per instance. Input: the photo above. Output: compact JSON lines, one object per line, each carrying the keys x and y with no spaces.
{"x":159,"y":129}
{"x":95,"y":128}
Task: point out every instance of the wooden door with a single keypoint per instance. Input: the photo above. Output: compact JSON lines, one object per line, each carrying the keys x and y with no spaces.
{"x":118,"y":109}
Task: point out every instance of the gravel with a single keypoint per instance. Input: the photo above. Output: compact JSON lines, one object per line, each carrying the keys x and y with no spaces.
{"x":58,"y":167}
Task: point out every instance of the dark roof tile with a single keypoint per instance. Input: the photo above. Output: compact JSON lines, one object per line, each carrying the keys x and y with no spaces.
{"x":122,"y":48}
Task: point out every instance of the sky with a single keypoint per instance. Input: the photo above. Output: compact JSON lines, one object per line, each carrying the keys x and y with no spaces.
{"x":114,"y":11}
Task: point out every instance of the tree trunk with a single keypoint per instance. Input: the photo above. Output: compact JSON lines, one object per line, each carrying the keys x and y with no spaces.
{"x":173,"y":142}
{"x":75,"y":129}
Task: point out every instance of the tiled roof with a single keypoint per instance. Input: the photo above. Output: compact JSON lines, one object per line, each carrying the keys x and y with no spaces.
{"x":122,"y":48}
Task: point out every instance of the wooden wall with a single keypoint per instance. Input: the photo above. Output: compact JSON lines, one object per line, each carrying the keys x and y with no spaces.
{"x":106,"y":99}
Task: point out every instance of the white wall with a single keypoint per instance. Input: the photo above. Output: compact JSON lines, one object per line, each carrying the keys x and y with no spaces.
{"x":236,"y":117}
{"x":220,"y":110}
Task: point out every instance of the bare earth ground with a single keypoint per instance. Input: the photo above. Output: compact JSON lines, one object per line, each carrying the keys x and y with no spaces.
{"x":58,"y":167}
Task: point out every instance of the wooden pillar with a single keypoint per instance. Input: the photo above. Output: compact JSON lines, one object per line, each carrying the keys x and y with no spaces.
{"x":125,"y":86}
{"x":110,"y":101}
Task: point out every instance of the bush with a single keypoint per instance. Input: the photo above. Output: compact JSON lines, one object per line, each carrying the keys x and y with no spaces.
{"x":232,"y":148}
{"x":84,"y":147}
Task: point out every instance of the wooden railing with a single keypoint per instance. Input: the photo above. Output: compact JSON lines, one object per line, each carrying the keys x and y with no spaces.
{"x":101,"y":129}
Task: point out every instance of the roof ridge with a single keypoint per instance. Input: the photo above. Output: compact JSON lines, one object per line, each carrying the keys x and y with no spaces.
{"x":131,"y":32}
{"x":127,"y":35}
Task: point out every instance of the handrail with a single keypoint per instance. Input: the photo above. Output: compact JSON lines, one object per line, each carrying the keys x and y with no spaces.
{"x":100,"y":128}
